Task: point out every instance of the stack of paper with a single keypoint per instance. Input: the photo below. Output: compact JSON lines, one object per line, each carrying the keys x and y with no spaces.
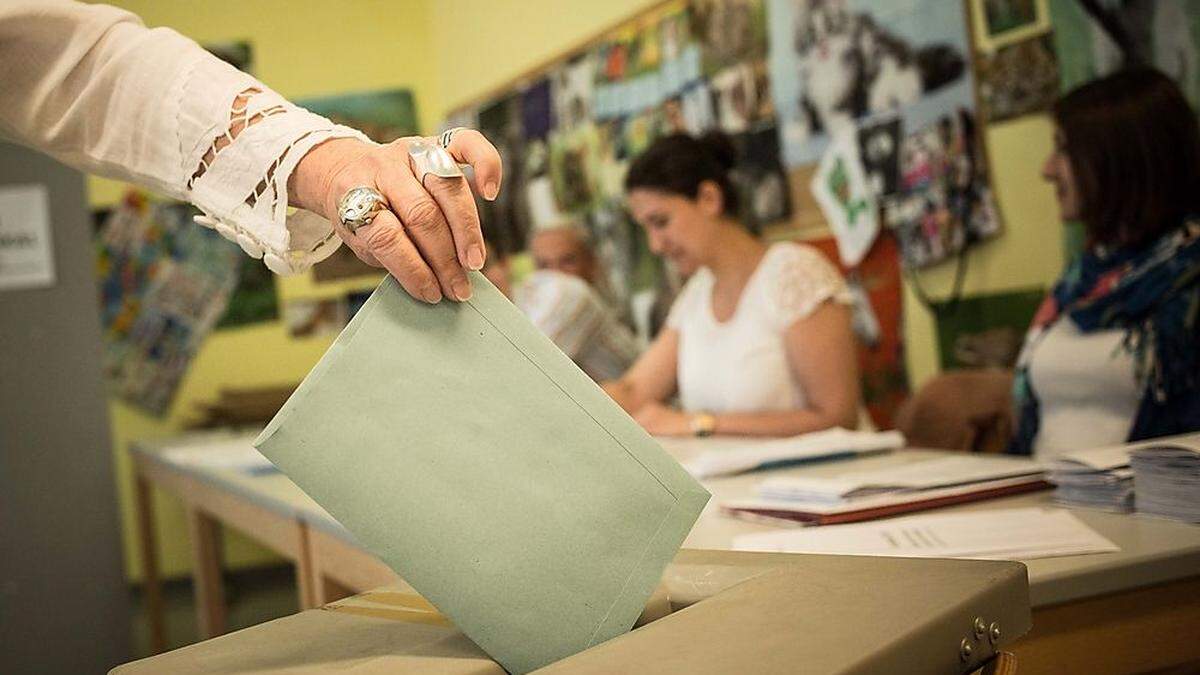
{"x":828,"y":445}
{"x":1168,"y":481}
{"x":875,"y":494}
{"x":1097,"y":478}
{"x":1006,"y":534}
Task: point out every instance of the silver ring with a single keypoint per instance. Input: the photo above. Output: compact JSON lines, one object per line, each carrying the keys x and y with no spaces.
{"x":359,"y":206}
{"x":448,"y":135}
{"x":430,"y":158}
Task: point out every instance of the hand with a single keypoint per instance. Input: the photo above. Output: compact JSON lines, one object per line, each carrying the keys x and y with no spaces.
{"x":660,"y":420}
{"x":430,"y":236}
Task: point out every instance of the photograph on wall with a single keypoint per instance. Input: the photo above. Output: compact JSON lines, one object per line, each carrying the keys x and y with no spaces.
{"x":944,"y":200}
{"x":835,"y":62}
{"x":382,"y":115}
{"x":1017,"y":79}
{"x":1164,"y":34}
{"x":729,"y":32}
{"x":1001,"y":22}
{"x":879,"y":150}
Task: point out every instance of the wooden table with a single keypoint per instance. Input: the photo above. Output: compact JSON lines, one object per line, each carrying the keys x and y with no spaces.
{"x":1127,"y":611}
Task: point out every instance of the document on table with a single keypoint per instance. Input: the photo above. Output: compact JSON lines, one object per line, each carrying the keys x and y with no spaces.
{"x":1007,"y":534}
{"x":458,"y":444}
{"x":923,"y":475}
{"x":743,"y":455}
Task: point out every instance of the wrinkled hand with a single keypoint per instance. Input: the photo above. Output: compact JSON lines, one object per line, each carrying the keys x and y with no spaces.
{"x":660,"y":420}
{"x":430,"y":236}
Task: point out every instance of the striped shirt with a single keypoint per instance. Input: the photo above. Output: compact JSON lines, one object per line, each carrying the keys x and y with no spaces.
{"x":570,"y":312}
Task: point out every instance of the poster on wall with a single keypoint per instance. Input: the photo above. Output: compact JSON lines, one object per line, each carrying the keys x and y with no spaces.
{"x":1164,"y":34}
{"x":26,"y":251}
{"x":835,"y":63}
{"x":943,"y":201}
{"x":164,"y":283}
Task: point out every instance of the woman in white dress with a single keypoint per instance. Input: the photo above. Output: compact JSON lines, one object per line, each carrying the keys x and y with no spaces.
{"x":759,"y":341}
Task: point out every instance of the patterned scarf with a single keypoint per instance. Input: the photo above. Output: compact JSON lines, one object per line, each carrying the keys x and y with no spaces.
{"x":1152,"y":294}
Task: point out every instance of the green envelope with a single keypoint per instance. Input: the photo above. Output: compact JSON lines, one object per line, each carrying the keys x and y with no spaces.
{"x":458,"y":444}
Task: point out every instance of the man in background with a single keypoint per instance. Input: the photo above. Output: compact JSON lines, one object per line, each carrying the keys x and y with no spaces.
{"x":558,"y":299}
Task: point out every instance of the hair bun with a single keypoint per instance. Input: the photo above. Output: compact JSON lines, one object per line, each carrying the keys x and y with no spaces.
{"x":720,"y":146}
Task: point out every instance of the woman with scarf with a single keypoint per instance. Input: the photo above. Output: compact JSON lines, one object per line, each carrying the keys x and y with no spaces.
{"x":1114,"y":351}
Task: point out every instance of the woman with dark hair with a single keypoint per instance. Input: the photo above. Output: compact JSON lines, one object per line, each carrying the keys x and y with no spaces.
{"x":759,"y":340}
{"x":1114,"y":352}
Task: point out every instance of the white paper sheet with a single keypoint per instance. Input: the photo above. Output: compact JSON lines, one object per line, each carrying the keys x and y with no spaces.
{"x":1009,"y":534}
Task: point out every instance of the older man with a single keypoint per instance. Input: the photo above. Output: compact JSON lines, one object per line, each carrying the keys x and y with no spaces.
{"x":559,"y":299}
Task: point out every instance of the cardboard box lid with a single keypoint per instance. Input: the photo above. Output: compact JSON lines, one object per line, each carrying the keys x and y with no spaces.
{"x":733,"y":612}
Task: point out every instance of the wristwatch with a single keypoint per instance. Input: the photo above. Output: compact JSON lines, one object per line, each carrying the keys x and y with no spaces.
{"x":702,"y":424}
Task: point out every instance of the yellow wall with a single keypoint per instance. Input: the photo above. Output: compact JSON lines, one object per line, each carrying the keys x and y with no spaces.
{"x":300,"y":49}
{"x":448,"y":53}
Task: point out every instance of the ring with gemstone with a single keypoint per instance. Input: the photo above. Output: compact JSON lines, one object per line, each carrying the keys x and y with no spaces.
{"x":359,"y":206}
{"x":430,"y":158}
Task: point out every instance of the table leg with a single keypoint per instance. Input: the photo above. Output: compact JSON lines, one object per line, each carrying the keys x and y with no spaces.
{"x":151,"y":583}
{"x":306,"y":575}
{"x":206,"y":573}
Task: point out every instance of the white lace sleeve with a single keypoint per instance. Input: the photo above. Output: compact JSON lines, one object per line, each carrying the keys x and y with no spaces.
{"x":799,"y":279}
{"x":93,"y":87}
{"x":240,"y":142}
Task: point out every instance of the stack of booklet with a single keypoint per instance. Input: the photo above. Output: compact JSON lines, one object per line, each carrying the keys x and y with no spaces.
{"x":1107,"y":478}
{"x":914,"y":486}
{"x":1098,"y":478}
{"x":1167,"y":476}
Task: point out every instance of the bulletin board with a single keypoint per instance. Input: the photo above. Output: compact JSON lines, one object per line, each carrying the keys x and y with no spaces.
{"x":853,"y":118}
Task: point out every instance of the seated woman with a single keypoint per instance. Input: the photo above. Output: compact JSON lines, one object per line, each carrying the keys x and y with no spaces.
{"x":759,"y":340}
{"x":1114,"y":352}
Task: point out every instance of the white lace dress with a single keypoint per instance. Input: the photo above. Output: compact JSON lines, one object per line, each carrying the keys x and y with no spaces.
{"x":94,"y":88}
{"x":741,"y":365}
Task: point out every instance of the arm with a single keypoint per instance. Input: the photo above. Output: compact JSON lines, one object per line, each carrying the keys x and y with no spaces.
{"x":651,"y":379}
{"x":92,"y":87}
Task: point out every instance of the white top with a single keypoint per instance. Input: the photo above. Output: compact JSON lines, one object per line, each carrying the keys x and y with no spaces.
{"x":92,"y":87}
{"x":570,"y":312}
{"x":1086,"y":387}
{"x":741,"y":365}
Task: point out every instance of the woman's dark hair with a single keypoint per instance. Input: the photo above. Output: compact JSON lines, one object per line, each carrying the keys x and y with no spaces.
{"x":1134,"y":146}
{"x":679,"y":163}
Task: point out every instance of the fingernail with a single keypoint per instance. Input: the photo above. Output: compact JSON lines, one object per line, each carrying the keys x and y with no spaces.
{"x":432,"y":295}
{"x":490,"y":190}
{"x":462,"y":289}
{"x":475,"y":257}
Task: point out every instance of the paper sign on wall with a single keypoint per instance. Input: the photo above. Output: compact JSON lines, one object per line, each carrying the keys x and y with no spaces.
{"x":840,"y":188}
{"x":26,"y":250}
